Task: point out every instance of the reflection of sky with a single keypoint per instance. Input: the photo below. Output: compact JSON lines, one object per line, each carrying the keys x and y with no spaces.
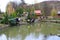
{"x":41,"y":37}
{"x":3,"y":37}
{"x":53,"y":38}
{"x":29,"y":37}
{"x":32,"y":37}
{"x":18,"y":37}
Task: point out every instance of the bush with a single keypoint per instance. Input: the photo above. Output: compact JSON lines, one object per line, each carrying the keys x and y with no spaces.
{"x":5,"y":19}
{"x":53,"y":12}
{"x":13,"y":15}
{"x":19,"y":11}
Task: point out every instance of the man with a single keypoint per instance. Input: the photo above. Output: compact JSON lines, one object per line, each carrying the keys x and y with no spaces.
{"x":30,"y":18}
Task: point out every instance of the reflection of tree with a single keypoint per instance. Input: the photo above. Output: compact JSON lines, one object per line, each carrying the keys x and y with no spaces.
{"x":37,"y":30}
{"x":23,"y":30}
{"x":45,"y":37}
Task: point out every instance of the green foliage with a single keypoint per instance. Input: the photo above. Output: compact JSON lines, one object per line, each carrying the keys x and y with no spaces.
{"x":53,"y":12}
{"x":5,"y":19}
{"x":32,"y":15}
{"x":28,"y":10}
{"x":13,"y":22}
{"x":43,"y":13}
{"x":19,"y":11}
{"x":32,"y":9}
{"x":9,"y":19}
{"x":14,"y":14}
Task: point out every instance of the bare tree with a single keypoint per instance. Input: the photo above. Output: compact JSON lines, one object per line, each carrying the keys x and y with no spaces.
{"x":22,"y":1}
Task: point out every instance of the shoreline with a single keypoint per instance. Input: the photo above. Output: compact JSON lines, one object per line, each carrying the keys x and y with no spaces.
{"x":54,"y":21}
{"x":3,"y":26}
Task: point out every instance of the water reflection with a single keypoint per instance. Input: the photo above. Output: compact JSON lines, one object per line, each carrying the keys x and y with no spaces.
{"x":31,"y":36}
{"x":53,"y":38}
{"x":18,"y":37}
{"x":3,"y":37}
{"x":38,"y":31}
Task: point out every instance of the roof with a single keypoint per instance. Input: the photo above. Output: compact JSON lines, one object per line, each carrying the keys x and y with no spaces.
{"x":38,"y":12}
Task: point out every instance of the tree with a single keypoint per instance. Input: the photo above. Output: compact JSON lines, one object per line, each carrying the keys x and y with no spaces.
{"x":32,"y":9}
{"x":28,"y":10}
{"x":19,"y":11}
{"x":53,"y":12}
{"x":5,"y":19}
{"x":14,"y":14}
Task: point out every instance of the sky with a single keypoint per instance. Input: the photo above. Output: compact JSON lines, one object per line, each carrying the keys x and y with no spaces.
{"x":3,"y":3}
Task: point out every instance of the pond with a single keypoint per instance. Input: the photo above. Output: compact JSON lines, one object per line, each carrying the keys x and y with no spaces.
{"x":36,"y":31}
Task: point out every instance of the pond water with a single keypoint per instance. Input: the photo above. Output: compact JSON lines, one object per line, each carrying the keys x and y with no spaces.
{"x":36,"y":31}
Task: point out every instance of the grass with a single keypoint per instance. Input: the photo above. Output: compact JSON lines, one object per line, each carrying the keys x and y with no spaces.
{"x":53,"y":18}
